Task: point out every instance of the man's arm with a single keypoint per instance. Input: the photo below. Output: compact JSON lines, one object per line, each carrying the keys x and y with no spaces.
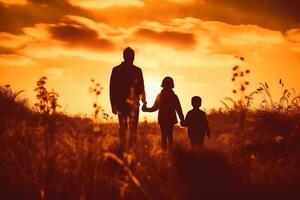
{"x":155,"y":107}
{"x":141,"y":87}
{"x":113,"y":91}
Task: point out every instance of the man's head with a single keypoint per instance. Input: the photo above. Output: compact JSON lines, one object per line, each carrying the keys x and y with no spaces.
{"x":196,"y":101}
{"x":128,"y":55}
{"x":167,"y":83}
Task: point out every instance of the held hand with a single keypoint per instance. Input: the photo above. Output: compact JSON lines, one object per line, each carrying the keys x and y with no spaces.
{"x":144,"y":107}
{"x":144,"y":102}
{"x":182,"y":123}
{"x":114,"y":111}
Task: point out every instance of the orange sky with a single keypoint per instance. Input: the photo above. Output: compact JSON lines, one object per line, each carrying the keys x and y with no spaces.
{"x":194,"y":41}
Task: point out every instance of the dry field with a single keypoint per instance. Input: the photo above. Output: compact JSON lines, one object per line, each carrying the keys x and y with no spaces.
{"x":54,"y":156}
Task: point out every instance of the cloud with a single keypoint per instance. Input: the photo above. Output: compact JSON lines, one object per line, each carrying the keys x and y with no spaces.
{"x":5,"y":51}
{"x":98,"y":4}
{"x":13,"y":2}
{"x":284,"y":14}
{"x":80,"y":36}
{"x":102,"y":27}
{"x":213,"y":43}
{"x":11,"y":41}
{"x":274,"y":14}
{"x":184,"y":1}
{"x":206,"y":37}
{"x":15,"y":60}
{"x":126,"y":13}
{"x":293,"y":35}
{"x":55,"y":73}
{"x":241,"y":37}
{"x":173,"y":38}
{"x":15,"y":17}
{"x":73,"y":36}
{"x":288,"y":9}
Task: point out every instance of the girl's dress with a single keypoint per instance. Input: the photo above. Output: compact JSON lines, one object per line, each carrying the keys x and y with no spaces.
{"x":167,"y":104}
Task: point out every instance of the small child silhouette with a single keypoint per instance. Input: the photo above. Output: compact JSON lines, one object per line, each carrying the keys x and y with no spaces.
{"x":196,"y":122}
{"x":167,"y":104}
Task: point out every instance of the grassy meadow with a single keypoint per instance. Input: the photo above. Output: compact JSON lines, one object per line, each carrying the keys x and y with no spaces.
{"x":44,"y":154}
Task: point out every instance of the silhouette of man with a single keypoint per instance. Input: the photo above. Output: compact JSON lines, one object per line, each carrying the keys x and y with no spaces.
{"x":126,"y":90}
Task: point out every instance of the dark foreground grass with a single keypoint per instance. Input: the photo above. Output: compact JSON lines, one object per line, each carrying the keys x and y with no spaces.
{"x":61,"y":157}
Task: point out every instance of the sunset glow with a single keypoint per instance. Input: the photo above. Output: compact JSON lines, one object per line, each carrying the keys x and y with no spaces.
{"x":195,"y":42}
{"x":152,"y":88}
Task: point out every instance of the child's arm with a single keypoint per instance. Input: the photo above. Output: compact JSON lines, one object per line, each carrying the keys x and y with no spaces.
{"x":184,"y":123}
{"x":179,"y":109}
{"x":155,"y":106}
{"x":207,"y":129}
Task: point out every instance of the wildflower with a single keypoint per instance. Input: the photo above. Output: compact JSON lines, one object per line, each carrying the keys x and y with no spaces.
{"x":235,"y":68}
{"x":243,"y":88}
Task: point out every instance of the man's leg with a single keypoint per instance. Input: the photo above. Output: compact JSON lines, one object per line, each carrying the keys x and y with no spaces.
{"x":133,"y":122}
{"x":123,"y":130}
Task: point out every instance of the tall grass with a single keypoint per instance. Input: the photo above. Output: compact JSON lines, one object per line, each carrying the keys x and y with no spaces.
{"x":49,"y":155}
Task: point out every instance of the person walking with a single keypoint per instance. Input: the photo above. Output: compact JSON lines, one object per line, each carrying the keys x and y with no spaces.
{"x":126,"y":91}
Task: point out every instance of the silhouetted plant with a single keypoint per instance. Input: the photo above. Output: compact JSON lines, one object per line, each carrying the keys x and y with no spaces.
{"x":242,"y":102}
{"x":10,"y":105}
{"x":42,"y":95}
{"x":239,"y":78}
{"x":53,"y":98}
{"x":295,"y":101}
{"x":47,"y":101}
{"x":96,"y":89}
{"x":267,"y":101}
{"x":7,"y":92}
{"x":98,"y":111}
{"x":286,"y":101}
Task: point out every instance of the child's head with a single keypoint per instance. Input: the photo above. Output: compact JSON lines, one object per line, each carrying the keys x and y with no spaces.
{"x":167,"y":83}
{"x":196,"y":101}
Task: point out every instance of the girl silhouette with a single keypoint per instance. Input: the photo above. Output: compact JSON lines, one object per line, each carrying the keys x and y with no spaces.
{"x":167,"y":104}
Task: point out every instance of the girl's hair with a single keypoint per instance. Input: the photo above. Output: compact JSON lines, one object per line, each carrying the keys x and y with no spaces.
{"x":167,"y":82}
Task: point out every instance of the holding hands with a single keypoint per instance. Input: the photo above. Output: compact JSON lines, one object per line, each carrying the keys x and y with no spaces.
{"x":144,"y":107}
{"x":114,"y":110}
{"x":182,"y":123}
